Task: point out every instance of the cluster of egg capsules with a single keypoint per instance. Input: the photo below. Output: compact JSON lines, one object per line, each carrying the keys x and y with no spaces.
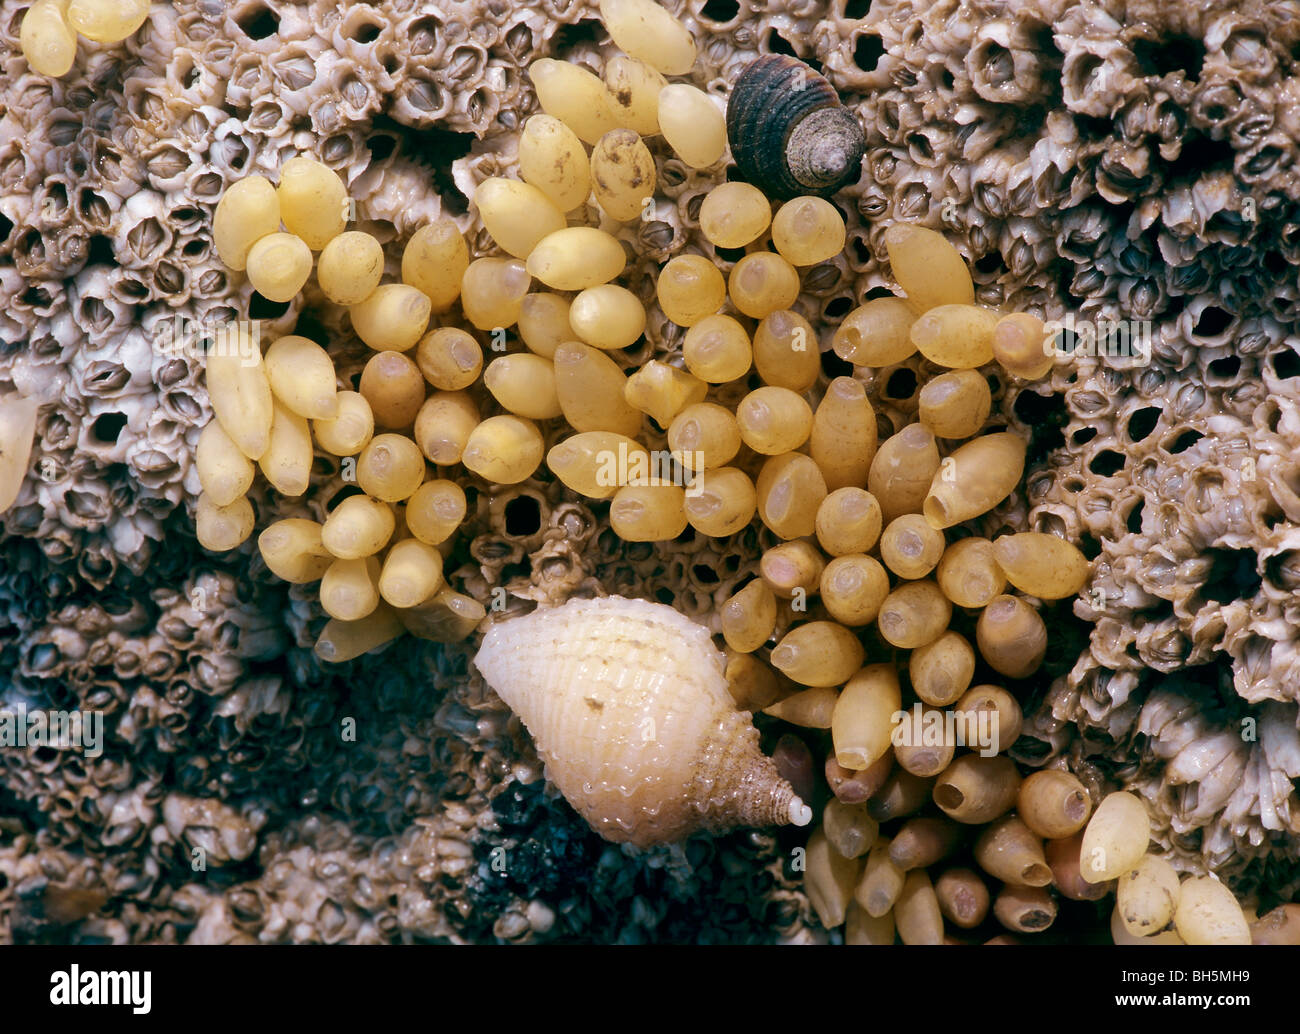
{"x":48,"y":35}
{"x":878,"y":887}
{"x":379,"y":554}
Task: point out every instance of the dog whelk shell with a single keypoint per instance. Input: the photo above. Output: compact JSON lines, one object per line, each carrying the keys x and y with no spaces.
{"x":789,"y":133}
{"x":628,"y":705}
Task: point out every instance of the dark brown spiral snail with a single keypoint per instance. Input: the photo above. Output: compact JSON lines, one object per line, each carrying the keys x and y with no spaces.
{"x":789,"y":133}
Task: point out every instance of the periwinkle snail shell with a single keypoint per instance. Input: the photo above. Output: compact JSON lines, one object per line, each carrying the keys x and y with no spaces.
{"x":788,"y":131}
{"x":629,"y":708}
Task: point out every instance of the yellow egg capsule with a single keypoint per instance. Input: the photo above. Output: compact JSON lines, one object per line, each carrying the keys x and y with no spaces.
{"x":358,"y":527}
{"x":504,"y":449}
{"x":955,"y":405}
{"x":648,"y":513}
{"x":106,"y":22}
{"x":1011,"y":636}
{"x":348,"y":589}
{"x":492,"y":292}
{"x":910,"y":547}
{"x":956,"y":336}
{"x":293,"y":550}
{"x":1207,"y":913}
{"x":544,"y":322}
{"x":1041,"y":565}
{"x":914,"y":615}
{"x":411,"y":574}
{"x":313,"y":201}
{"x":717,"y":349}
{"x":576,"y":258}
{"x":663,"y":391}
{"x":1116,"y":838}
{"x":863,"y":716}
{"x":762,"y":283}
{"x":843,"y":437}
{"x":974,"y":479}
{"x":248,"y":211}
{"x":241,"y":395}
{"x":574,"y":96}
{"x":590,"y":387}
{"x":930,"y":270}
{"x":225,"y":473}
{"x":748,"y":618}
{"x":434,"y":261}
{"x":288,"y":458}
{"x":968,"y":574}
{"x":524,"y":384}
{"x":222,"y":528}
{"x":829,"y":879}
{"x":1054,"y":804}
{"x":1022,"y":346}
{"x":704,"y":436}
{"x":693,"y":124}
{"x":689,"y":289}
{"x":646,"y":31}
{"x":552,"y":159}
{"x":808,"y":230}
{"x":903,"y":471}
{"x":349,"y":431}
{"x":394,"y":389}
{"x":734,"y":214}
{"x":608,"y":317}
{"x":819,"y":653}
{"x":1147,"y":896}
{"x":443,"y":426}
{"x":597,"y":463}
{"x":435,"y":511}
{"x":393,"y":318}
{"x":516,"y":214}
{"x":350,"y":268}
{"x":302,"y":377}
{"x":852,"y":589}
{"x":47,"y":42}
{"x":390,"y":467}
{"x":877,"y":333}
{"x":449,"y":358}
{"x":634,"y":90}
{"x":623,"y":175}
{"x":785,"y":351}
{"x":720,"y":502}
{"x":344,"y":640}
{"x":941,"y":671}
{"x":810,"y":709}
{"x":848,"y":521}
{"x":773,"y":420}
{"x":278,"y":266}
{"x":790,"y":489}
{"x":791,"y":568}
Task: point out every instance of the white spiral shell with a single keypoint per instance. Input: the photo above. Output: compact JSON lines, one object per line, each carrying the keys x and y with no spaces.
{"x":628,"y":705}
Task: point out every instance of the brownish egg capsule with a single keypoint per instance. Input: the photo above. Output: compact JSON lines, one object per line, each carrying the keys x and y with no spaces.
{"x":1063,"y":859}
{"x":1024,"y":909}
{"x":963,"y":898}
{"x":852,"y":787}
{"x":789,"y":133}
{"x":976,"y":789}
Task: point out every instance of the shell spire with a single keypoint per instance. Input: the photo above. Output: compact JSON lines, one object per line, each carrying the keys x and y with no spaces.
{"x":628,"y":705}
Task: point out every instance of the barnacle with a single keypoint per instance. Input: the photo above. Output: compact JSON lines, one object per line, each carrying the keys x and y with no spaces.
{"x":1126,"y":168}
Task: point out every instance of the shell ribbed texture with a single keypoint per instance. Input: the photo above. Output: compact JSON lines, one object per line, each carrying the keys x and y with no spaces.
{"x":629,"y":708}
